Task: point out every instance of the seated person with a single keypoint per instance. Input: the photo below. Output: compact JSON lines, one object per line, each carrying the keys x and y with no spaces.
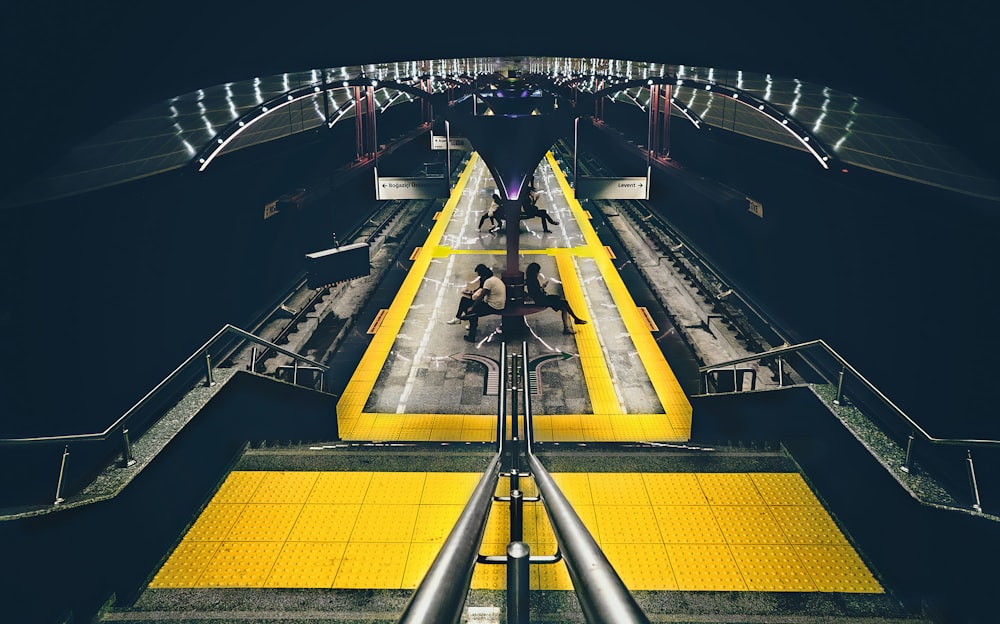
{"x":530,"y":210}
{"x":467,"y":291}
{"x":494,"y":213}
{"x":490,"y":298}
{"x":534,"y":283}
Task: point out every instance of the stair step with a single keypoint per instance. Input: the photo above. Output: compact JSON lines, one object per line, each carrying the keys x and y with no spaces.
{"x":194,"y":606}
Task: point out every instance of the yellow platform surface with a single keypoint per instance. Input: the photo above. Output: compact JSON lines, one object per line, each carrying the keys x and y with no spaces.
{"x":607,"y":418}
{"x":382,"y":530}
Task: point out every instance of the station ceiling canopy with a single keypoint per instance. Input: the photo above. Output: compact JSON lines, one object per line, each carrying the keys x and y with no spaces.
{"x":190,"y":128}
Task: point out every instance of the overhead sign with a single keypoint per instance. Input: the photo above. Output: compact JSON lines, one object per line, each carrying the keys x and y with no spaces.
{"x":410,"y":188}
{"x":755,"y":207}
{"x":270,"y":209}
{"x":612,"y":188}
{"x":439,"y":142}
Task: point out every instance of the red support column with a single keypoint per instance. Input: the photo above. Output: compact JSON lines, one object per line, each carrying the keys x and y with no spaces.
{"x":359,"y":121}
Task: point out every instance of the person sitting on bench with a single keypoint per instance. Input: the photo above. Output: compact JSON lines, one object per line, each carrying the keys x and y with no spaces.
{"x":530,"y":210}
{"x":535,"y":283}
{"x":490,"y":298}
{"x":494,"y":213}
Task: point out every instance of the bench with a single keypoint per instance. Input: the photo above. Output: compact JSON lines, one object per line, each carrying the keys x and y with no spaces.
{"x":522,"y":309}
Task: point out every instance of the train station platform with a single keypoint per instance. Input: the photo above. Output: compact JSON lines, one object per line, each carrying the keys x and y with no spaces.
{"x":420,"y":380}
{"x":417,"y":421}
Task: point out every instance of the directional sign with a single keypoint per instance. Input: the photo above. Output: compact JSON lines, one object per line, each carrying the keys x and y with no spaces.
{"x":410,"y":188}
{"x":612,"y":188}
{"x":439,"y":142}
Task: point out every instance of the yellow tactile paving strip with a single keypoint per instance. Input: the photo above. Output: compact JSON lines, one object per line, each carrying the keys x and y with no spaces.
{"x":607,"y":423}
{"x":382,"y":530}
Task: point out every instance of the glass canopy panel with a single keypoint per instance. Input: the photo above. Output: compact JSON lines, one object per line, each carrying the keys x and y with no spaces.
{"x":170,"y":134}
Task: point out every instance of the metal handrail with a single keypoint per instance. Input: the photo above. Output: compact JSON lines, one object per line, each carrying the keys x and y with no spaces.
{"x":847,"y":366}
{"x":441,"y":595}
{"x":603,"y":596}
{"x":198,"y":353}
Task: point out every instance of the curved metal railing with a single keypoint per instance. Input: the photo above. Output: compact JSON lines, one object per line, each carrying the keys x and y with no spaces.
{"x":203,"y":352}
{"x":197,"y":366}
{"x":884,"y":412}
{"x":603,"y":596}
{"x":440,"y":597}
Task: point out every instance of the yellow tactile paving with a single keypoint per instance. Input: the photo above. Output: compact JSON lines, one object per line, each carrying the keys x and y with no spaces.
{"x":608,"y":421}
{"x":661,"y":531}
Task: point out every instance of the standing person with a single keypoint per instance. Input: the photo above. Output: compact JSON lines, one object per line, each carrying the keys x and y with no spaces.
{"x":489,"y":299}
{"x":492,"y":213}
{"x":535,"y":283}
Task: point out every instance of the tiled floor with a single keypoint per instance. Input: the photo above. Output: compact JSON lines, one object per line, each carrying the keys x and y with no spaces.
{"x":382,"y":530}
{"x":419,"y":380}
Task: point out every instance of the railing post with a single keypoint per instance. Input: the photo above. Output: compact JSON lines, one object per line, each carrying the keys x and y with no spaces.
{"x":781,"y":372}
{"x":295,"y":372}
{"x":518,"y":577}
{"x":127,"y":458}
{"x":977,"y":505}
{"x":516,"y":516}
{"x":62,"y":470}
{"x":209,"y":380}
{"x":840,"y":391}
{"x":909,"y":449}
{"x":253,"y":359}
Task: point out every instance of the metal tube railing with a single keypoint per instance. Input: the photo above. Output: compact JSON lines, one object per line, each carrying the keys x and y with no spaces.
{"x":440,"y":597}
{"x":914,"y":428}
{"x":200,"y":352}
{"x":603,"y":596}
{"x":869,"y":385}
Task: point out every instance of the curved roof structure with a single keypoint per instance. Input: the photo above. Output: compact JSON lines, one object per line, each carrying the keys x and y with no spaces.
{"x":192,"y":128}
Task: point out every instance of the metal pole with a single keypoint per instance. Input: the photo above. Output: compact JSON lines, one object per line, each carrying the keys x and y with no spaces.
{"x":209,"y":381}
{"x":840,"y":390}
{"x":502,"y":398}
{"x":295,"y":372}
{"x":518,"y":577}
{"x":62,"y":470}
{"x":253,"y":359}
{"x":447,"y":150}
{"x":909,"y":449}
{"x":127,"y":458}
{"x":781,"y":372}
{"x":516,"y":516}
{"x":978,"y":505}
{"x":576,"y":146}
{"x":513,"y":397}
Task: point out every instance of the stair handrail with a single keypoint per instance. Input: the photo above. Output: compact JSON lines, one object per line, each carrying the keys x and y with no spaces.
{"x":440,"y":597}
{"x":847,"y":365}
{"x":200,"y":352}
{"x":602,"y":594}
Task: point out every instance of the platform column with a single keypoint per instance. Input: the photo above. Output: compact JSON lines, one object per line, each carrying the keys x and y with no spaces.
{"x":513,"y":276}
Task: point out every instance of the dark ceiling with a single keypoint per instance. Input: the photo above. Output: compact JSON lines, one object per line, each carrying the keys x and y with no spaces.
{"x":71,"y":68}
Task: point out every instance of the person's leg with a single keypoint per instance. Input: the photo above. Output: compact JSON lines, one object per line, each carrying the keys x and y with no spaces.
{"x":567,"y":328}
{"x":569,"y":310}
{"x":483,"y":219}
{"x":473,"y":327}
{"x":545,"y":221}
{"x":463,"y":305}
{"x":479,"y":308}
